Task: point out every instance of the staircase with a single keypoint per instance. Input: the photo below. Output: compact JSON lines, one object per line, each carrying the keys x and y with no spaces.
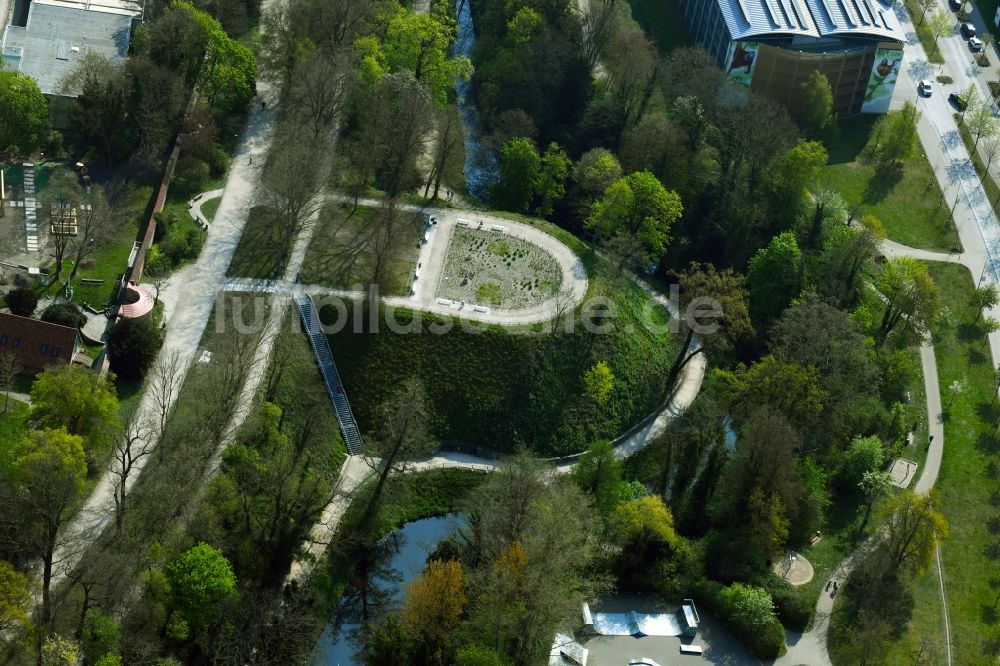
{"x":327,"y":368}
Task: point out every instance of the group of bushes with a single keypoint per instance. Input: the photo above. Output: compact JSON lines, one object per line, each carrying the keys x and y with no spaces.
{"x":178,"y":241}
{"x":748,"y":612}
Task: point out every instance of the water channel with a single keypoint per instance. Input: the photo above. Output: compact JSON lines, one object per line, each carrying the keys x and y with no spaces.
{"x":405,"y":557}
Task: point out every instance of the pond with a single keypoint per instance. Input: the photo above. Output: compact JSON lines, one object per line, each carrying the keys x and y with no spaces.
{"x":399,"y":558}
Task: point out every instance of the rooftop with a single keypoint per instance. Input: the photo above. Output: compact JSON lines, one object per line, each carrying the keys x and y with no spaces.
{"x":56,"y":37}
{"x":36,"y":343}
{"x":128,"y":7}
{"x":749,"y":19}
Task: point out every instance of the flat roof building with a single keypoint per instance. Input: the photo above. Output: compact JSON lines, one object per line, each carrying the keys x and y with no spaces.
{"x":57,"y":34}
{"x":772,"y":46}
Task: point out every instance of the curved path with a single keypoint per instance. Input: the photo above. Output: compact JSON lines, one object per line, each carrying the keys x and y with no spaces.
{"x":356,"y":469}
{"x":810,"y":647}
{"x":194,"y":206}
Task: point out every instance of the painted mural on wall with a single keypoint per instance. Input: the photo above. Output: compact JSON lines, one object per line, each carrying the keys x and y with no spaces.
{"x":885,"y":70}
{"x":742,"y":60}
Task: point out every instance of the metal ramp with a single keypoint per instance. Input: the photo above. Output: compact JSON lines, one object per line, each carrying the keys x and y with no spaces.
{"x":328,"y":369}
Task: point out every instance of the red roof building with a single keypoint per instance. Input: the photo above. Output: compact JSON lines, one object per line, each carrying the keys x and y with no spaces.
{"x":37,"y":344}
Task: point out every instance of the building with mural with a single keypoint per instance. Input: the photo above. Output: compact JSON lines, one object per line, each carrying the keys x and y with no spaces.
{"x":772,"y":46}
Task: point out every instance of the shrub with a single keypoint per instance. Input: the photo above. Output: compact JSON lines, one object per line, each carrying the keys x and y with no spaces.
{"x":101,"y":636}
{"x":747,"y":612}
{"x":64,"y":314}
{"x":945,"y":79}
{"x":793,"y":609}
{"x":132,"y":348}
{"x":22,"y":301}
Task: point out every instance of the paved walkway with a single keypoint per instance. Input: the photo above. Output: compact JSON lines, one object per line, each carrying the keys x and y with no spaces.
{"x":194,"y":206}
{"x":356,"y":470}
{"x":188,"y":304}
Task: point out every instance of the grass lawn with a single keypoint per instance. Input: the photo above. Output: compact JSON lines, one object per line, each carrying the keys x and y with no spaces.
{"x":967,"y":484}
{"x":12,"y":429}
{"x":905,"y":198}
{"x":340,"y":253}
{"x":922,"y":25}
{"x":500,"y":389}
{"x":663,"y":20}
{"x":257,"y":255}
{"x":210,"y":207}
{"x":109,"y":263}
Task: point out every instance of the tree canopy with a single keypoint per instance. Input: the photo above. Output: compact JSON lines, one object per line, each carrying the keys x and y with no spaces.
{"x":24,"y":113}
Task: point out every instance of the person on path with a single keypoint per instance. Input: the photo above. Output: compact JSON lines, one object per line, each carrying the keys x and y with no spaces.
{"x":828,"y":583}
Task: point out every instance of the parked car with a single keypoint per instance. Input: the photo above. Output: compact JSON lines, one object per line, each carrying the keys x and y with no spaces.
{"x":958,"y":101}
{"x":924,"y":88}
{"x":968,"y":30}
{"x":975,"y":44}
{"x":955,"y":5}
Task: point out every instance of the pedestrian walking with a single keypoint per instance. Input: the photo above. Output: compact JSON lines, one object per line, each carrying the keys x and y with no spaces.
{"x":828,"y":583}
{"x":251,"y":160}
{"x":836,"y":586}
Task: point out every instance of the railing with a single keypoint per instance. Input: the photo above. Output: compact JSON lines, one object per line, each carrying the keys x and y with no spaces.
{"x":328,"y":369}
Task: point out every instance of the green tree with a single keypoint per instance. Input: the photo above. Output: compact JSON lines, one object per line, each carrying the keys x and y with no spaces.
{"x":420,"y":43}
{"x":874,"y":486}
{"x":599,"y":474}
{"x":73,"y":397}
{"x":50,"y":474}
{"x":644,"y":528}
{"x":634,"y":217}
{"x":22,"y":301}
{"x":59,"y":651}
{"x":911,"y":529}
{"x":940,"y":25}
{"x":849,"y":254}
{"x":866,"y":454}
{"x":24,"y":113}
{"x":64,"y":314}
{"x":520,"y":166}
{"x":599,"y":382}
{"x":750,"y":606}
{"x":791,"y":175}
{"x":980,"y":121}
{"x":132,"y":347}
{"x":713,"y":306}
{"x":899,"y":135}
{"x":478,"y":655}
{"x":197,"y":580}
{"x":403,"y":433}
{"x":101,"y":636}
{"x":817,"y":99}
{"x":15,"y":598}
{"x":551,"y":182}
{"x":595,"y":171}
{"x":910,"y":294}
{"x":775,"y":278}
{"x":986,"y":297}
{"x":787,"y":386}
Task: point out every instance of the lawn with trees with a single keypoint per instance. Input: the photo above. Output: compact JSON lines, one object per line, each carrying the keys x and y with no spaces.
{"x":901,"y":192}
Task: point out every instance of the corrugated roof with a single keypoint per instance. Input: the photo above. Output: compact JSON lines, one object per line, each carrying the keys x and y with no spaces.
{"x":748,"y":19}
{"x":56,"y":37}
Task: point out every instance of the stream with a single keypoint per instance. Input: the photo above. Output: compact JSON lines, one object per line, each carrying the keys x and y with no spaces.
{"x":482,"y":166}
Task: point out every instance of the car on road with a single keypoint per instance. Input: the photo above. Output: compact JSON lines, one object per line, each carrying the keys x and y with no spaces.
{"x":924,"y":88}
{"x":975,"y":44}
{"x":968,"y":30}
{"x":959,"y":101}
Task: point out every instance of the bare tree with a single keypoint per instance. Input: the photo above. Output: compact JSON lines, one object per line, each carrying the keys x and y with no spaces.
{"x":291,"y":187}
{"x":403,"y":434}
{"x":403,"y":113}
{"x":64,"y":197}
{"x":163,"y":385}
{"x":320,"y":89}
{"x":599,"y":24}
{"x":132,"y":443}
{"x":96,"y":226}
{"x":10,"y":368}
{"x":448,"y":149}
